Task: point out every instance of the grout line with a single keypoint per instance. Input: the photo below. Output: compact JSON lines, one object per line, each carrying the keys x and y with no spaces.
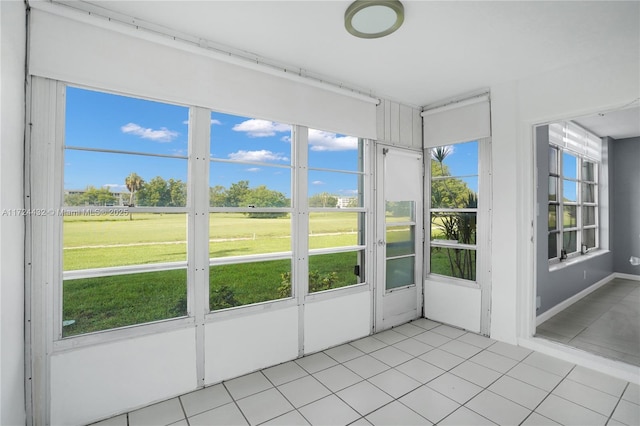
{"x":183,"y":410}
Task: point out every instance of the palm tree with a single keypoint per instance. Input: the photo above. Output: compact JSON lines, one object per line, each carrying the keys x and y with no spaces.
{"x":133,"y":183}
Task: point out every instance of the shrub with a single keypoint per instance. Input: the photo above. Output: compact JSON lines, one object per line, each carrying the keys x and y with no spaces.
{"x":317,"y":282}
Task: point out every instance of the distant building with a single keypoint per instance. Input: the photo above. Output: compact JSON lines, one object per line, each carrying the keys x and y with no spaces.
{"x":345,"y":201}
{"x":122,"y":197}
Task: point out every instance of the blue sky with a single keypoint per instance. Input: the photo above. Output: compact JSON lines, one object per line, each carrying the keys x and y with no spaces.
{"x":105,"y":121}
{"x":463,"y":161}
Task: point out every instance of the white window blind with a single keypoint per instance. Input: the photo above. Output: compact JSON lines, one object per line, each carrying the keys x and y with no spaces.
{"x":458,"y":122}
{"x":575,"y":139}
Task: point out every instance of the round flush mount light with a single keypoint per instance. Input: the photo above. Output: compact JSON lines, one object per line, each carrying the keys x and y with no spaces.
{"x":373,"y":18}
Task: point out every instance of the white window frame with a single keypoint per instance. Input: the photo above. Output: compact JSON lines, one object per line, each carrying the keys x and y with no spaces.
{"x":569,"y":138}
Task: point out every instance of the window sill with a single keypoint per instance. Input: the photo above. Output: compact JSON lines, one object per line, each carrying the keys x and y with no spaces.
{"x":577,"y":259}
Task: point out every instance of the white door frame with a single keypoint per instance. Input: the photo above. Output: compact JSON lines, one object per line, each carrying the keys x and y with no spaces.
{"x":391,"y":307}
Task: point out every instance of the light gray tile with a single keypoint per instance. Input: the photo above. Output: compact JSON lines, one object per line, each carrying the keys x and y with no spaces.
{"x":182,"y":422}
{"x":420,"y":370}
{"x":627,"y":413}
{"x":292,"y":418}
{"x":247,"y":385}
{"x":337,"y":377}
{"x":316,"y":362}
{"x":226,"y":415}
{"x":368,"y":344}
{"x":395,"y":414}
{"x":120,"y":420}
{"x":429,"y":404}
{"x":395,"y":383}
{"x":409,"y":329}
{"x":364,"y":397}
{"x":361,"y":422}
{"x":427,"y":324}
{"x":391,"y":356}
{"x":441,"y":359}
{"x":475,"y":373}
{"x":570,"y":330}
{"x":264,"y":406}
{"x":205,"y":399}
{"x":519,"y":392}
{"x":163,"y":413}
{"x":568,"y":413}
{"x":465,"y":417}
{"x":606,"y":351}
{"x":510,"y":351}
{"x":454,"y":387}
{"x":284,"y":373}
{"x":534,"y":376}
{"x":536,"y":419}
{"x":498,"y":409}
{"x":614,"y":422}
{"x":476,"y":340}
{"x":390,"y":337}
{"x":329,"y":411}
{"x":550,"y":335}
{"x":413,"y":347}
{"x":632,"y":393}
{"x":549,"y":364}
{"x":366,"y":366}
{"x":450,"y":332}
{"x":303,"y":391}
{"x":461,"y":349}
{"x":586,"y":396}
{"x":494,"y":361}
{"x":598,"y":380}
{"x":344,"y":353}
{"x":432,"y":339}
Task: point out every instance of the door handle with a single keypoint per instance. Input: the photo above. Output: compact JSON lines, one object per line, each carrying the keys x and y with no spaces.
{"x":382,"y":243}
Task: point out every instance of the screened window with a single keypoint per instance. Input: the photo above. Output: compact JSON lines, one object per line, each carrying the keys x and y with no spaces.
{"x":124,"y":212}
{"x":574,"y":160}
{"x":336,"y":212}
{"x":250,"y":211}
{"x":454,"y":210}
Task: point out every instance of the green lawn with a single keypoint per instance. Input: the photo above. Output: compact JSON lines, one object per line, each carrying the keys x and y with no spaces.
{"x":108,"y":302}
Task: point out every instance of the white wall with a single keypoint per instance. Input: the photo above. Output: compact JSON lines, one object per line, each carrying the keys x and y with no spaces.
{"x":572,"y":91}
{"x":12,"y":57}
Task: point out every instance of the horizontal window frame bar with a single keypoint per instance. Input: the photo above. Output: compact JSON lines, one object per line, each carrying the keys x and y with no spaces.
{"x":332,"y":250}
{"x":117,"y":151}
{"x":250,"y":209}
{"x":129,"y":210}
{"x":350,"y":172}
{"x":442,"y":244}
{"x":232,"y":260}
{"x":394,"y":224}
{"x":111,"y":271}
{"x":453,"y":177}
{"x":448,"y":210}
{"x":251,"y":163}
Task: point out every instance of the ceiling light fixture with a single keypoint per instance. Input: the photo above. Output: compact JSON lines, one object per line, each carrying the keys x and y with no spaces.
{"x":373,"y":18}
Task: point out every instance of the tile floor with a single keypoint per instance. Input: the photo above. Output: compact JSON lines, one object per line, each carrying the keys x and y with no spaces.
{"x":606,"y":322}
{"x":419,"y":373}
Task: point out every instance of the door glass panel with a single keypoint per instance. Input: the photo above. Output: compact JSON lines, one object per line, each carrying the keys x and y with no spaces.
{"x":400,"y":272}
{"x":399,"y":211}
{"x":400,"y":240}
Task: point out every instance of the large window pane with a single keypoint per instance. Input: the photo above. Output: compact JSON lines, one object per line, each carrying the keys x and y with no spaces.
{"x":99,"y":241}
{"x":570,"y":216}
{"x":454,"y":192}
{"x":246,"y":185}
{"x":553,"y":245}
{"x":101,"y":303}
{"x":569,"y":242}
{"x":553,"y":188}
{"x":335,"y":229}
{"x":569,"y":166}
{"x":589,"y":237}
{"x":400,"y":272}
{"x":242,"y":234}
{"x":588,"y":193}
{"x":570,"y":191}
{"x":453,"y":262}
{"x":247,"y":283}
{"x":105,"y":179}
{"x":455,"y":160}
{"x":400,"y":240}
{"x":335,"y":270}
{"x":588,"y":171}
{"x":553,"y":160}
{"x":454,"y":227}
{"x":588,"y":216}
{"x":334,"y":151}
{"x":334,"y":189}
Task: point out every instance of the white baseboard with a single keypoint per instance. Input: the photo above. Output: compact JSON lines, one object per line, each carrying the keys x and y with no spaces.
{"x":626,"y":276}
{"x":576,"y":297}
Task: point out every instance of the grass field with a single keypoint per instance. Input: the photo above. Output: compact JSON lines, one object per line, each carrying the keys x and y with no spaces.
{"x":115,"y":301}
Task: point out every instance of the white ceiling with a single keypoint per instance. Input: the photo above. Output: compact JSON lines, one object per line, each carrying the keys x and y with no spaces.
{"x":444,"y":49}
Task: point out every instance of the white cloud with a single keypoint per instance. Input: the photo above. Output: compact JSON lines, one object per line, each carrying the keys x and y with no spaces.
{"x":216,"y":122}
{"x":260,"y":156}
{"x":317,"y":182}
{"x":261,"y":128}
{"x":161,"y":135}
{"x":253,"y":169}
{"x":327,"y":141}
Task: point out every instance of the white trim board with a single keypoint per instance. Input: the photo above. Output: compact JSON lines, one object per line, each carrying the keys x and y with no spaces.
{"x":626,"y":276}
{"x":573,"y":299}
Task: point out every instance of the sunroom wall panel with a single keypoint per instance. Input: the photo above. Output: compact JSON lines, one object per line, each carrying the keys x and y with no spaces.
{"x":103,"y":55}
